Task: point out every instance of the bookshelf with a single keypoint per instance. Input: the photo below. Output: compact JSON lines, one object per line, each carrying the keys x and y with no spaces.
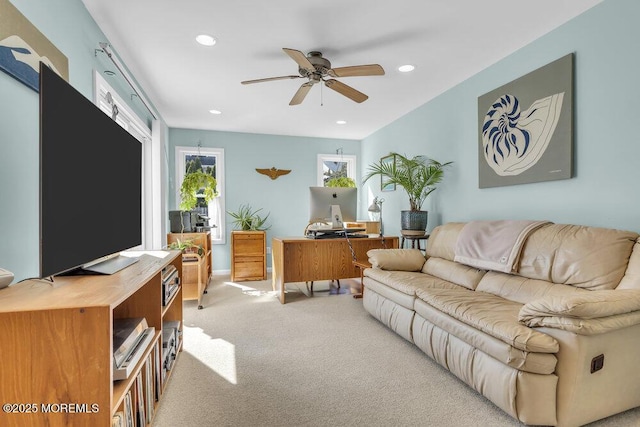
{"x":57,"y":349}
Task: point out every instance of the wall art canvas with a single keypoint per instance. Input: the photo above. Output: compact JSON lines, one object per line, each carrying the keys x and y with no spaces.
{"x":23,"y":47}
{"x":526,"y":128}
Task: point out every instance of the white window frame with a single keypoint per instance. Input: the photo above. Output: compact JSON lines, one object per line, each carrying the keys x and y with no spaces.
{"x":139,"y":130}
{"x":218,"y":235}
{"x":349,"y":159}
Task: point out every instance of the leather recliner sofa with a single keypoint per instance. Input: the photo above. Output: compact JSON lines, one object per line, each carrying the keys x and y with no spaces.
{"x":553,"y":341}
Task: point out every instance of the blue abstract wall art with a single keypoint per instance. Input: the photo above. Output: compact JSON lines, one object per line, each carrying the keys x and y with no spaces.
{"x":526,"y":128}
{"x":23,"y":47}
{"x":21,"y":61}
{"x":514,"y":140}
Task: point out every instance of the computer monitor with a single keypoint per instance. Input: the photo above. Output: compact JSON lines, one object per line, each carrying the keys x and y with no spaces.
{"x":322,"y":199}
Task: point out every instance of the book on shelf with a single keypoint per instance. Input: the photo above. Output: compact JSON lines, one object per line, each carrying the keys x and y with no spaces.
{"x":158,"y":370}
{"x":118,"y":419}
{"x":149,"y":395}
{"x":128,"y":410}
{"x":140,"y":411}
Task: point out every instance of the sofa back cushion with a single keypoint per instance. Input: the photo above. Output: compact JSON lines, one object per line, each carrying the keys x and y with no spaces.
{"x":520,"y":289}
{"x":453,"y":272}
{"x":631,"y":279}
{"x":586,"y":257}
{"x":442,"y":241}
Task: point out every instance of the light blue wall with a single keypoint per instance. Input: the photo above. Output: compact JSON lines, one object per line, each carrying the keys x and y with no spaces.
{"x":607,"y":150}
{"x":286,"y":199}
{"x":68,"y":25}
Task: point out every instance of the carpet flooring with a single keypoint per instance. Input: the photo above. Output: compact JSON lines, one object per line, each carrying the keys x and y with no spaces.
{"x":318,"y":360}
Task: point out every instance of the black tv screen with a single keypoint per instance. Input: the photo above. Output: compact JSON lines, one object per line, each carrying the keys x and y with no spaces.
{"x":90,"y":180}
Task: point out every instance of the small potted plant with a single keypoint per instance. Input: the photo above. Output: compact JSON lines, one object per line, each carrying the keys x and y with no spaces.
{"x":419,"y":177}
{"x":186,"y":246}
{"x":247,"y":219}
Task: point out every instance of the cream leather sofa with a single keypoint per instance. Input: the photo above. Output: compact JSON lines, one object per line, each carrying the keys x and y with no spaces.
{"x":554,"y":342}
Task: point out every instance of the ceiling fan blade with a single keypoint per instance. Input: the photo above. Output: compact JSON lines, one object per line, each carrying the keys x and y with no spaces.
{"x":301,"y":93}
{"x":268,"y":79}
{"x":346,"y":90}
{"x":300,"y":58}
{"x":357,"y":70}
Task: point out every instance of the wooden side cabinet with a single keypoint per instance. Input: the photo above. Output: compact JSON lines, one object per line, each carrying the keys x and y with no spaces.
{"x":196,"y":268}
{"x":57,"y":345}
{"x":248,"y":255}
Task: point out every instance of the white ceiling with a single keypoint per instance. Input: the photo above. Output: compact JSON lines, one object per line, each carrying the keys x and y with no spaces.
{"x":448,"y":41}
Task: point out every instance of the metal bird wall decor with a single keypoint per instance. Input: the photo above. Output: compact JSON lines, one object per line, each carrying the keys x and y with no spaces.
{"x":273,"y":173}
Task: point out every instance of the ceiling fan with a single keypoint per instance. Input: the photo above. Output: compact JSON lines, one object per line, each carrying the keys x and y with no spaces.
{"x":316,"y":69}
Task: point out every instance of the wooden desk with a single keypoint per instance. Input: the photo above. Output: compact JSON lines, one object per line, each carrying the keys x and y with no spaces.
{"x":298,"y":259}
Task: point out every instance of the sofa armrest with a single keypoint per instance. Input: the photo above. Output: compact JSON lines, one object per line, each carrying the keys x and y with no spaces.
{"x":586,"y":313}
{"x":396,"y":259}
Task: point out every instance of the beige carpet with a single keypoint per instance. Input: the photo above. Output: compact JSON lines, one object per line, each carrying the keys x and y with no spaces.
{"x":315,"y":361}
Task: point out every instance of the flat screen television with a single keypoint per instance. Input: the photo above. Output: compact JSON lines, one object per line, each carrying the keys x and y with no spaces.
{"x":322,"y":198}
{"x":90,"y":184}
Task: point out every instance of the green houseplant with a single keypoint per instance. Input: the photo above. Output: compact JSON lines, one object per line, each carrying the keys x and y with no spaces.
{"x":340,"y":181}
{"x":247,"y":219}
{"x":419,"y":177}
{"x":194,"y":183}
{"x":186,"y":246}
{"x":198,"y":188}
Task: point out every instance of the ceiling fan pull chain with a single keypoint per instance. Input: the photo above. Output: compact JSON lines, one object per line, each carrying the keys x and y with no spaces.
{"x":321,"y":95}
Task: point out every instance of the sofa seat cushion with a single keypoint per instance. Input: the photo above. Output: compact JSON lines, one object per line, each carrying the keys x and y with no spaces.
{"x":491,"y":314}
{"x":536,"y":363}
{"x":400,"y":286}
{"x":407,"y":282}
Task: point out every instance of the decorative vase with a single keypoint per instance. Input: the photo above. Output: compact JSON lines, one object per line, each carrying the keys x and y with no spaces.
{"x":413,"y":223}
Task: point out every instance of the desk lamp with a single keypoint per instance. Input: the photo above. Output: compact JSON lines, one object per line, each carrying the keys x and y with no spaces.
{"x":375,"y":212}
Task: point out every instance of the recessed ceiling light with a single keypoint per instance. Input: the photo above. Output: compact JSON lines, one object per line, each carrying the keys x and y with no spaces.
{"x":216,"y":112}
{"x":406,"y":68}
{"x":341,"y":122}
{"x":206,"y":40}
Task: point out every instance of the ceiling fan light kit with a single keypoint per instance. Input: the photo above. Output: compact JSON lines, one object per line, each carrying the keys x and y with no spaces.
{"x":315,"y":68}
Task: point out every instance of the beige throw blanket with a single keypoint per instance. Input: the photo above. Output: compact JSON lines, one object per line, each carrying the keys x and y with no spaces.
{"x":493,"y":245}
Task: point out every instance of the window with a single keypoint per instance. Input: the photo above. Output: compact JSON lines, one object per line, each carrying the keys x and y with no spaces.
{"x":335,"y":166}
{"x":108,"y":101}
{"x":210,"y":160}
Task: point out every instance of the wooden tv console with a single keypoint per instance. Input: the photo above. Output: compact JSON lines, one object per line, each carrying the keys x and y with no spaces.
{"x":56,"y":343}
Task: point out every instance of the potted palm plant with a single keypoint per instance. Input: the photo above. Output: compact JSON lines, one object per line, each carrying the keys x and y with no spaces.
{"x":419,"y":177}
